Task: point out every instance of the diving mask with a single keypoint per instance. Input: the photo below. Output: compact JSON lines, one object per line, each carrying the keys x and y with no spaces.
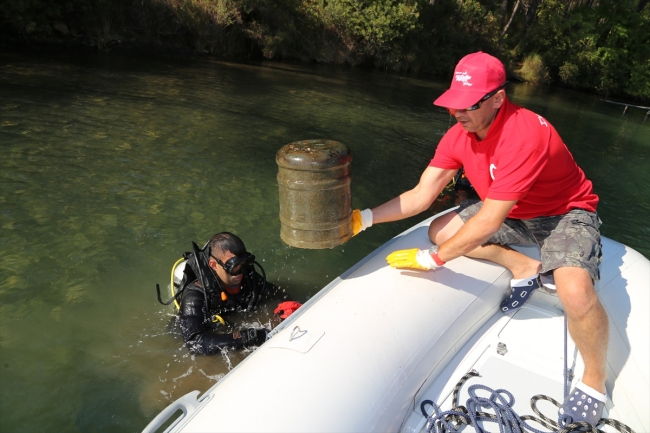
{"x":236,"y":265}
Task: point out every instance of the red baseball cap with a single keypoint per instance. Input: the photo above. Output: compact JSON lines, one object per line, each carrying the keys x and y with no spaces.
{"x":475,"y":76}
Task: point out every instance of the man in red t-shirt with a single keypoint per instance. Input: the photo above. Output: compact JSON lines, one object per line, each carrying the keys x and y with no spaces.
{"x":532,"y":192}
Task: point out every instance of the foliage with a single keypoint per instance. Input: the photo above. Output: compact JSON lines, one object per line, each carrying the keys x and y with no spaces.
{"x":452,"y":29}
{"x":598,"y":45}
{"x":207,"y":22}
{"x":605,"y":47}
{"x":569,"y":73}
{"x":533,"y":69}
{"x":372,"y":25}
{"x":334,"y":31}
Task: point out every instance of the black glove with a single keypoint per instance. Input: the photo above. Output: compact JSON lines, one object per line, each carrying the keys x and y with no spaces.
{"x":253,"y":337}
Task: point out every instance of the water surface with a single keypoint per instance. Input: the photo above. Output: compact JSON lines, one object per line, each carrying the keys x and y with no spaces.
{"x":113,"y":163}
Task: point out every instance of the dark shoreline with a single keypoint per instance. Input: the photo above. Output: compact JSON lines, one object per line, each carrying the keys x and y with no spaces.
{"x":594,"y":46}
{"x":180,"y":53}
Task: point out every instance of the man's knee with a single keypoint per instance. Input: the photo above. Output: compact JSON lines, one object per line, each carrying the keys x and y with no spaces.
{"x":443,"y":228}
{"x":576,"y":290}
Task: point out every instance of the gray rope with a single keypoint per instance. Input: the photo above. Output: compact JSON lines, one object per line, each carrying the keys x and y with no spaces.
{"x":565,"y":419}
{"x":566,"y":363}
{"x":501,"y":402}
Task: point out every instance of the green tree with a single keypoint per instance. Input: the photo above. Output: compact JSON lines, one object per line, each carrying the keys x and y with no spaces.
{"x":370,"y":27}
{"x":602,"y":45}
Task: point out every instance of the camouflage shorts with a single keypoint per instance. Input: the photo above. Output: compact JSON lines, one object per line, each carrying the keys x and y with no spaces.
{"x":569,"y":240}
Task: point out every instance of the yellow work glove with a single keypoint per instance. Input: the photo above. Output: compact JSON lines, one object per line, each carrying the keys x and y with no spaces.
{"x":413,"y":258}
{"x":361,"y":220}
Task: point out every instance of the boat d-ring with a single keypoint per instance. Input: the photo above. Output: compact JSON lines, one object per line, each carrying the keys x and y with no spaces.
{"x":296,"y":333}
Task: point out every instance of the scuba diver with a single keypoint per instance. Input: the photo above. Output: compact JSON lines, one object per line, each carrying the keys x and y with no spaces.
{"x":463,"y":187}
{"x":219,"y":278}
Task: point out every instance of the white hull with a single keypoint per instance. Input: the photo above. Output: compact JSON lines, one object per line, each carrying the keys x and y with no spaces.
{"x":377,"y":341}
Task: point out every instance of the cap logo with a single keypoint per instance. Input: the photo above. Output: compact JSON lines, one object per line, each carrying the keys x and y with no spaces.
{"x":463,"y":78}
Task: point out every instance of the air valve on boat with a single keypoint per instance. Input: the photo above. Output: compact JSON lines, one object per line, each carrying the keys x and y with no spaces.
{"x":502,"y":349}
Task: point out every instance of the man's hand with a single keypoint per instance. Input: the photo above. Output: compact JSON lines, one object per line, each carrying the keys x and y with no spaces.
{"x":361,"y":220}
{"x":413,"y":258}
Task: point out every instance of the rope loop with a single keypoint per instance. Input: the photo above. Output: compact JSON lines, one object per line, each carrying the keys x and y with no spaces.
{"x":501,"y":402}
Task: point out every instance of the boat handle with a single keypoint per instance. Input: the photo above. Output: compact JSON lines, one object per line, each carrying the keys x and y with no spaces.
{"x":187,"y":403}
{"x":296,"y":333}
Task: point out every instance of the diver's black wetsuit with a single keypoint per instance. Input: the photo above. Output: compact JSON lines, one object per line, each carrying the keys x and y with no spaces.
{"x":197,"y":326}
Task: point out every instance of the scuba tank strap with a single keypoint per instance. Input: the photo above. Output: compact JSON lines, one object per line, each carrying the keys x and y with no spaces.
{"x":202,"y":262}
{"x":257,"y":292}
{"x":202,"y":278}
{"x":263,"y":276}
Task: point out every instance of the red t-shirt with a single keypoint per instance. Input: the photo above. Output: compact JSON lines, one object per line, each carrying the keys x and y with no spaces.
{"x":522,"y":158}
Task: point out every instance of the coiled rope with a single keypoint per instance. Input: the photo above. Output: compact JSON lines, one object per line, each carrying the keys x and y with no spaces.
{"x":501,"y":402}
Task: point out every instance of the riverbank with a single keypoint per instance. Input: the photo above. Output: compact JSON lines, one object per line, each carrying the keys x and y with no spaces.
{"x":600,"y":47}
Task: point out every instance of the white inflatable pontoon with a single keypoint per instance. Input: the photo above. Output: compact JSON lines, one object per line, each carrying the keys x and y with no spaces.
{"x":366,"y":351}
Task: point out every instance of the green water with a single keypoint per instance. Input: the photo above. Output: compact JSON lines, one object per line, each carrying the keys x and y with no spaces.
{"x":112,"y":164}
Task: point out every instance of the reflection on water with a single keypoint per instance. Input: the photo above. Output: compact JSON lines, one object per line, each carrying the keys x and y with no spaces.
{"x":112,"y":165}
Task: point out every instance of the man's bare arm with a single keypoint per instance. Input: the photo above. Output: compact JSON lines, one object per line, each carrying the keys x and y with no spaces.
{"x":416,"y":200}
{"x":477,"y":230}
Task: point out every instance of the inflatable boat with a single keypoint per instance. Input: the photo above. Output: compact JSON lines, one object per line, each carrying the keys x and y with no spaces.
{"x":376,"y":348}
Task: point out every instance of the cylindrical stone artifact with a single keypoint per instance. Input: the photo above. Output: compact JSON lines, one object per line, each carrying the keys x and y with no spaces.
{"x":314,"y":179}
